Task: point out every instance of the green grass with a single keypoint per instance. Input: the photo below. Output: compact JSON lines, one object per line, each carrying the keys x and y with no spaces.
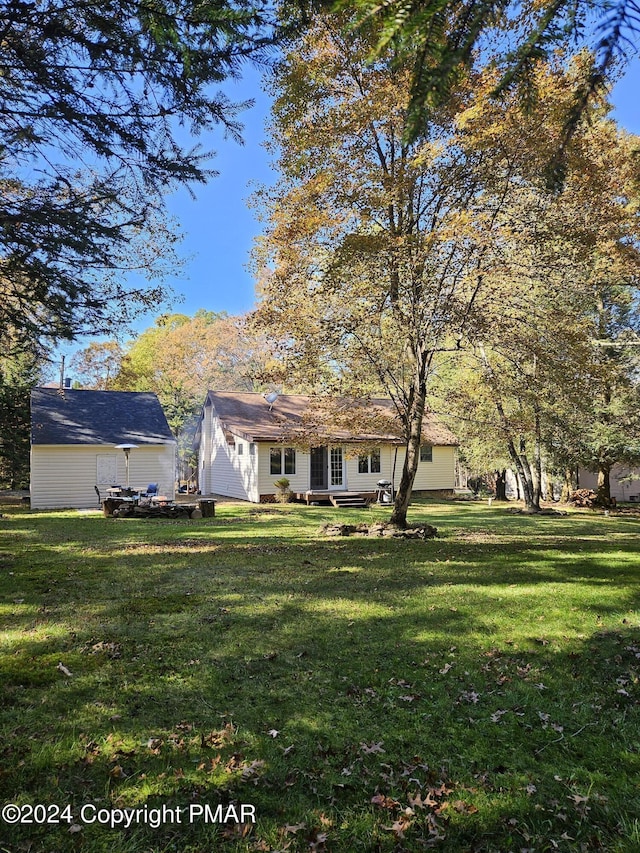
{"x":476,"y":692}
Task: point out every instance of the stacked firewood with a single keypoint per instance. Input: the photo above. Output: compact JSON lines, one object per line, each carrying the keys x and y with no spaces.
{"x":589,"y":499}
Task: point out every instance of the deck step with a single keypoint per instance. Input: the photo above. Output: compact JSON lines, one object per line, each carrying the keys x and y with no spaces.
{"x":350,"y":500}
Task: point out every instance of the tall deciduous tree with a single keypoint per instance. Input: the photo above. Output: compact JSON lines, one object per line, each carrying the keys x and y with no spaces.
{"x":550,"y":367}
{"x":378,"y":251}
{"x":612,"y":434}
{"x":180,"y":358}
{"x":96,"y":101}
{"x":97,"y":366}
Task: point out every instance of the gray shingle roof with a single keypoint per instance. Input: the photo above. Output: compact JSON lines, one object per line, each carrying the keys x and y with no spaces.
{"x":97,"y":417}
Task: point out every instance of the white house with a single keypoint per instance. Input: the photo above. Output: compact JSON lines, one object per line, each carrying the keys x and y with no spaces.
{"x":624,"y":482}
{"x":74,"y":434}
{"x":246,"y":443}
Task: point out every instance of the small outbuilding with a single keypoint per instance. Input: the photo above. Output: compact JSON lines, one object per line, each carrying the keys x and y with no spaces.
{"x":75,"y":439}
{"x":624,"y":482}
{"x":246,"y":442}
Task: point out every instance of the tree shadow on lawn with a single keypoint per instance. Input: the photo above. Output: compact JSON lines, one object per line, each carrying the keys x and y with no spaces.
{"x":364,"y":655}
{"x":447,"y":591}
{"x":333,"y":715}
{"x":544,"y":550}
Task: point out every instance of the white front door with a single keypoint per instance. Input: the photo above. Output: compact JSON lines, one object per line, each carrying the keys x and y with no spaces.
{"x":336,"y":468}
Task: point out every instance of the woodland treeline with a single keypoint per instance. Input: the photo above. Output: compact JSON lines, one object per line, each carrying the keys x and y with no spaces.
{"x":454,"y":224}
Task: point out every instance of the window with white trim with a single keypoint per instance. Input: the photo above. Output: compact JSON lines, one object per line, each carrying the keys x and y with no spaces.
{"x":426,"y":453}
{"x":282,"y":460}
{"x":369,"y":463}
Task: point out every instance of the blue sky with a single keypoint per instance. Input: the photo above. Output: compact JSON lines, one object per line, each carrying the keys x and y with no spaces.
{"x":219,"y":227}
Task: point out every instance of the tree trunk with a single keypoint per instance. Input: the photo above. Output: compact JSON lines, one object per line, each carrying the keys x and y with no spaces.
{"x":530,"y":490}
{"x":403,"y":495}
{"x":518,"y":488}
{"x":568,"y":485}
{"x":530,"y":493}
{"x":603,"y":488}
{"x":501,"y":485}
{"x":412,"y":455}
{"x":537,"y":458}
{"x":548,"y":491}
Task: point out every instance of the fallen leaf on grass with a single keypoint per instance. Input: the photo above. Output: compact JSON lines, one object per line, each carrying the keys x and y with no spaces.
{"x":464,"y":808}
{"x":578,"y":799}
{"x":319,"y":842}
{"x":368,"y":749}
{"x":399,"y":827}
{"x":469,"y":696}
{"x":417,"y":802}
{"x":249,"y":771}
{"x":63,"y":669}
{"x":384,"y":802}
{"x":218,"y":738}
{"x":445,"y":669}
{"x":273,"y":733}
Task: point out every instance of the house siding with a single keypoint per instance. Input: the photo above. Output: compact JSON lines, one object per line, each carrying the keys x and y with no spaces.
{"x":299,"y":482}
{"x":440,"y":474}
{"x":66,"y":475}
{"x":358,"y":482}
{"x":620,"y":489}
{"x":226,"y":472}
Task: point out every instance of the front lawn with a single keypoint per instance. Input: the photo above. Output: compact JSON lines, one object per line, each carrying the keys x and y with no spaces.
{"x":476,"y":692}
